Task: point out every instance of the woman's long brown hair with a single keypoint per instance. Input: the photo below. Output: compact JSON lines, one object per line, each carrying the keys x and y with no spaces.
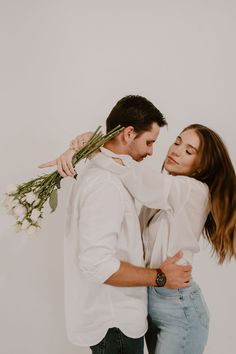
{"x":217,"y":171}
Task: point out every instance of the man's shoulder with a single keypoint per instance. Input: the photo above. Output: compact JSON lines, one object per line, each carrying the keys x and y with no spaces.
{"x":97,"y":176}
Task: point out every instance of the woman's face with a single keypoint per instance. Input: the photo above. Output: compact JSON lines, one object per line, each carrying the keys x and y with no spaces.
{"x":183,"y":157}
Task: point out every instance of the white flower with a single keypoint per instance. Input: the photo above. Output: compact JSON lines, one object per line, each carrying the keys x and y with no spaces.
{"x":17,"y":227}
{"x":11,"y":212}
{"x":39,"y":223}
{"x":7,"y":201}
{"x":11,"y":188}
{"x":36,"y":202}
{"x":31,"y":230}
{"x":20,"y":218}
{"x":35,"y":214}
{"x":14,"y":203}
{"x":25,"y":225}
{"x":31,"y":197}
{"x":20,"y":210}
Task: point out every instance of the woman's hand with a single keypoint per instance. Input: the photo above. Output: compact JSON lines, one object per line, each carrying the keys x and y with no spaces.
{"x":63,"y":163}
{"x":78,"y":143}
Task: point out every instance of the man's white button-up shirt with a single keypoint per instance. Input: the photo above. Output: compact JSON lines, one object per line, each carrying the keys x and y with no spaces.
{"x":102,"y":229}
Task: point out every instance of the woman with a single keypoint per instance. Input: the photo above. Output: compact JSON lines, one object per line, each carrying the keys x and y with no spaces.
{"x":201,"y":196}
{"x":197,"y":195}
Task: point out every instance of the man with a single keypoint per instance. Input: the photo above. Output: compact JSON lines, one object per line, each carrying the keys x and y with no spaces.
{"x":105,"y":275}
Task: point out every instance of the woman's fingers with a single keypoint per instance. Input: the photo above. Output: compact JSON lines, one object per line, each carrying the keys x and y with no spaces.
{"x":48,"y":164}
{"x":64,"y":164}
{"x":60,"y":168}
{"x":67,"y":166}
{"x":79,"y":142}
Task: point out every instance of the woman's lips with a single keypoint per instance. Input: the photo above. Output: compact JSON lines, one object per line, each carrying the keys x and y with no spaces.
{"x":172,"y":160}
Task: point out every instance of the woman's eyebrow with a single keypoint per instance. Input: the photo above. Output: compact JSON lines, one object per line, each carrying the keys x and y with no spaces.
{"x":191,"y":146}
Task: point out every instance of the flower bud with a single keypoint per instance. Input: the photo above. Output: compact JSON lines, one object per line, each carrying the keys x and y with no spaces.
{"x":35,"y":214}
{"x":20,"y":210}
{"x":31,"y":197}
{"x":18,"y":227}
{"x":31,"y":230}
{"x":36,"y":202}
{"x":7,"y":201}
{"x":11,"y":188}
{"x":25,"y":225}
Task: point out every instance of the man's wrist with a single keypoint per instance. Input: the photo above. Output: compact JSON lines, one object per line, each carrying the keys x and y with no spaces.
{"x":160,"y":278}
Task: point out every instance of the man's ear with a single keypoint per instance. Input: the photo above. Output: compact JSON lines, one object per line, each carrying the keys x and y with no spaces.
{"x":129,"y":134}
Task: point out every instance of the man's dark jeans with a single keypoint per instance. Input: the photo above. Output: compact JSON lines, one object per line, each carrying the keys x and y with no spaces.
{"x":115,"y":342}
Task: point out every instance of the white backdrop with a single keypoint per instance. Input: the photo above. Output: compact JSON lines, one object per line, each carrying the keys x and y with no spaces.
{"x":64,"y":64}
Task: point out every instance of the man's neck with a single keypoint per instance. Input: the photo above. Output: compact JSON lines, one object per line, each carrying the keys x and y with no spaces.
{"x":119,"y":150}
{"x":116,"y":150}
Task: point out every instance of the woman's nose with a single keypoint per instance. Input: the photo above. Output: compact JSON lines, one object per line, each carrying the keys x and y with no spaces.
{"x":176,"y":151}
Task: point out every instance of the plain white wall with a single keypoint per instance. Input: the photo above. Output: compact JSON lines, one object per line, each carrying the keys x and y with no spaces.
{"x":64,"y":64}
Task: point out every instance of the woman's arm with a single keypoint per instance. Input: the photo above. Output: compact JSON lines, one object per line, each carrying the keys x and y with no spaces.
{"x":158,"y":190}
{"x":149,"y":187}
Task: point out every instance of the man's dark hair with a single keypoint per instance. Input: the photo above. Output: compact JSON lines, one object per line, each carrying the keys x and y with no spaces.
{"x":135,"y":111}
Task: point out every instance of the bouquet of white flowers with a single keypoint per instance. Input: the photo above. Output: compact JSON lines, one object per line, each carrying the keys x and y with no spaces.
{"x":27,"y":200}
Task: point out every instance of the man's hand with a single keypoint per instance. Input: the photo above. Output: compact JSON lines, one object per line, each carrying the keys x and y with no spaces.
{"x":63,"y":163}
{"x":178,"y":276}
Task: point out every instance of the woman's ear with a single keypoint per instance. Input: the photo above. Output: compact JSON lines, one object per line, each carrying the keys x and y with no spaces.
{"x":129,"y":134}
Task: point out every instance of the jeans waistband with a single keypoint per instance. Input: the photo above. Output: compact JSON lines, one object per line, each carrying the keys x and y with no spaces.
{"x":173,"y":292}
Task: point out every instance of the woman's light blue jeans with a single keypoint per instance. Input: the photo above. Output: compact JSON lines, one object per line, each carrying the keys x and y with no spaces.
{"x":181,"y":319}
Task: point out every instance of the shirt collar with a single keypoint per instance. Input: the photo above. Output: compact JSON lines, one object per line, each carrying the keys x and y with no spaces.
{"x":126,"y":159}
{"x":105,"y":160}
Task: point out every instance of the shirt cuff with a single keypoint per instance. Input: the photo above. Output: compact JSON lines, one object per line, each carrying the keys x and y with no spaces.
{"x":103,"y":271}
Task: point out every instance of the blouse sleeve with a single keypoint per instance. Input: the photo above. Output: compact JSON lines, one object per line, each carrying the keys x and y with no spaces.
{"x":159,"y":191}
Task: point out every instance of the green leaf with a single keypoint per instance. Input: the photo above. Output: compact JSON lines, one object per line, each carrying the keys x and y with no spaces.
{"x":53,"y":200}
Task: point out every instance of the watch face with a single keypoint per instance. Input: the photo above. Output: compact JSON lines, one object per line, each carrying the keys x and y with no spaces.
{"x":161,"y":279}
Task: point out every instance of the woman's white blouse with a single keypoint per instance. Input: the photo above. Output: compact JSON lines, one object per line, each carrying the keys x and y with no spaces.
{"x":174,"y":213}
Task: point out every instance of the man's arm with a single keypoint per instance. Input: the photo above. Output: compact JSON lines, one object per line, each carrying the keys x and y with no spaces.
{"x":177,"y":276}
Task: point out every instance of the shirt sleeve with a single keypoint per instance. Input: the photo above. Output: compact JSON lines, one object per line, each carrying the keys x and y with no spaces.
{"x":99,"y":225}
{"x":156,"y":190}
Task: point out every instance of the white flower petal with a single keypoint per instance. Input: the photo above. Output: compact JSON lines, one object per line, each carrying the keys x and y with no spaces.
{"x":31,"y":197}
{"x":36,"y":202}
{"x":35,"y":214}
{"x":39,"y":222}
{"x":32,"y":230}
{"x":20,"y":218}
{"x":20,"y":210}
{"x":18,"y":227}
{"x":11,"y":212}
{"x":25,"y":225}
{"x":7,"y":201}
{"x":11,"y":188}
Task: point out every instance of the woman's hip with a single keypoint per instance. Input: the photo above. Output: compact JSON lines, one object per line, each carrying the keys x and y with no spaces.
{"x":178,"y":306}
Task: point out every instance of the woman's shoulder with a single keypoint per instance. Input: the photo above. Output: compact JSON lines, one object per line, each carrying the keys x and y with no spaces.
{"x":192,"y":184}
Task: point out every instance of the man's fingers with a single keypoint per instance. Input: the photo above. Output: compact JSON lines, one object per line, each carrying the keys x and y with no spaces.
{"x":187,"y":277}
{"x":175,"y":258}
{"x":187,"y":268}
{"x":185,"y":285}
{"x":48,"y":164}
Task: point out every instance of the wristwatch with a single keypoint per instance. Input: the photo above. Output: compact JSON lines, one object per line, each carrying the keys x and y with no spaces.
{"x":160,"y":278}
